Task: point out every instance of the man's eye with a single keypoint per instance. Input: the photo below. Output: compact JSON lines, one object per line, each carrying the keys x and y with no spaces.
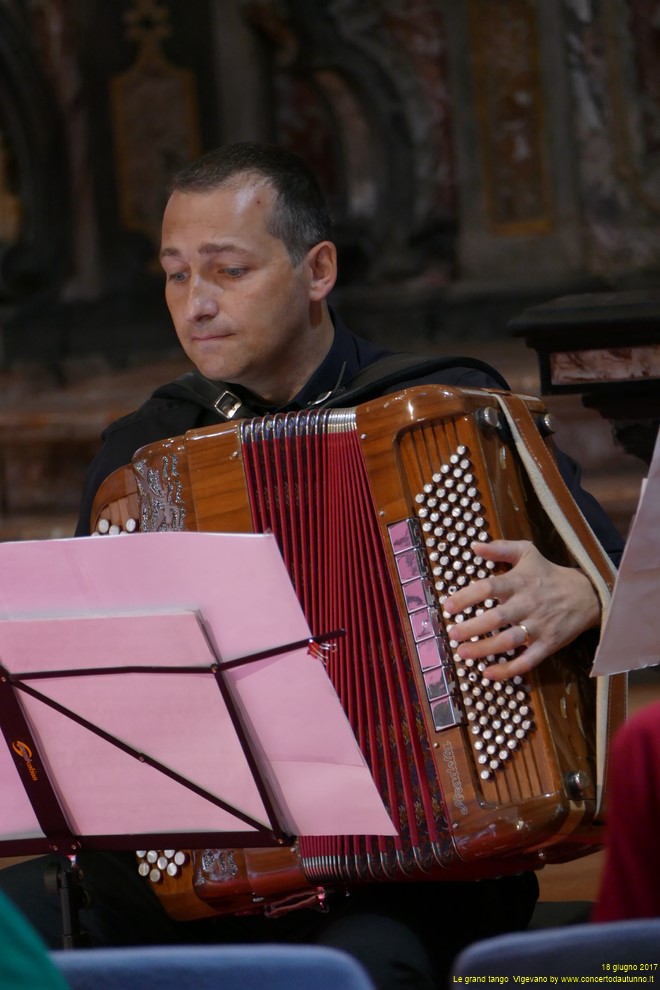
{"x":176,"y":276}
{"x":233,"y":272}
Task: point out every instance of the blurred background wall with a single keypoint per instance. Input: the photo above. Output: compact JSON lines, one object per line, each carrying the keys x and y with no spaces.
{"x":481,"y":158}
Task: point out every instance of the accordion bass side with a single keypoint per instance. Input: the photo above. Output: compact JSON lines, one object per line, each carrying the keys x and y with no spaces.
{"x":375,"y":509}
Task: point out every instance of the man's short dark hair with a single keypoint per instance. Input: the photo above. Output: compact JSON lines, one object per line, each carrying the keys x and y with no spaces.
{"x":300,"y":216}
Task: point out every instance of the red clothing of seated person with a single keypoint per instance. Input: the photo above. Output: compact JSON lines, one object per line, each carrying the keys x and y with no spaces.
{"x":630,"y":884}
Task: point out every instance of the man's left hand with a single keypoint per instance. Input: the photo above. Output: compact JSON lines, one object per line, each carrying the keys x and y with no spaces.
{"x":537,"y":606}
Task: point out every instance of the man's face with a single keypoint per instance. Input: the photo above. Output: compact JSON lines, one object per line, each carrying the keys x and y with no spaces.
{"x":240,"y":309}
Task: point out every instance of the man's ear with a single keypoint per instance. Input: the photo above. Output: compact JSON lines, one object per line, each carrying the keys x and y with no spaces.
{"x":322,"y":261}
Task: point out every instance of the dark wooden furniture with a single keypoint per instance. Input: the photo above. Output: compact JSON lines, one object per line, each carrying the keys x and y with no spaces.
{"x":605,"y":346}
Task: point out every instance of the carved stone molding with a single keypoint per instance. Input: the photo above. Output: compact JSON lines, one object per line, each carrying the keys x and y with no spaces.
{"x":612,"y":47}
{"x":632,"y":51}
{"x":362,"y":94}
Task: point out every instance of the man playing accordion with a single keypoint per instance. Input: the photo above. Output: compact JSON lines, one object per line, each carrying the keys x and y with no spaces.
{"x":249,"y":266}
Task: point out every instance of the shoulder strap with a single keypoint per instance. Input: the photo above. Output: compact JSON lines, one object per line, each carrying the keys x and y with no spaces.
{"x":397,"y":369}
{"x":388,"y":371}
{"x":214,"y":395}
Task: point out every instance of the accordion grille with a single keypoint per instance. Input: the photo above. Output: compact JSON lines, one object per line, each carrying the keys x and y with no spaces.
{"x":308,"y":486}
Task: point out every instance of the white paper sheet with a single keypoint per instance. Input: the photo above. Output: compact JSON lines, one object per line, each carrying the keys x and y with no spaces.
{"x":90,"y":602}
{"x":631,"y":637}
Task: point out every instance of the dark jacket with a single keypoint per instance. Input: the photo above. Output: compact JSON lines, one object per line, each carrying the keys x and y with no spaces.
{"x":163,"y":416}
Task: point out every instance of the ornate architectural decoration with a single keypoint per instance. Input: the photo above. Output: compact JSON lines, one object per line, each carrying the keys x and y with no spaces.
{"x":612,"y":46}
{"x":155,"y":119}
{"x":505,"y":54}
{"x":633,"y":63}
{"x":362,"y":94}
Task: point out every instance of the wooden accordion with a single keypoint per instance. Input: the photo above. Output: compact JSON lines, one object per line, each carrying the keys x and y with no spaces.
{"x":375,"y":509}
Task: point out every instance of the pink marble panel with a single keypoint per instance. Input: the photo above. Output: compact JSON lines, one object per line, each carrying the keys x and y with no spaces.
{"x":612,"y":364}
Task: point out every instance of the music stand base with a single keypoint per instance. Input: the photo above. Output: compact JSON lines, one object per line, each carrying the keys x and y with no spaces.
{"x":66,"y":882}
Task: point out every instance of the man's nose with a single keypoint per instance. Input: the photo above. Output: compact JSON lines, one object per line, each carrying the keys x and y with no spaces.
{"x":202,"y":300}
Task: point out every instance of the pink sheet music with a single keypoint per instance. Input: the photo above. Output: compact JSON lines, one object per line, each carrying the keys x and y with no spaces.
{"x":631,"y":637}
{"x":95,"y":602}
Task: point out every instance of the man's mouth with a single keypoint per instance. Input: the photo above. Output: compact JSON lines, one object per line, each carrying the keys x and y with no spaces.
{"x":205,"y":338}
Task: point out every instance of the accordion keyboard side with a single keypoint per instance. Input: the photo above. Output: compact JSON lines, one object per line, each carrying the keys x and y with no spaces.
{"x":541,"y":794}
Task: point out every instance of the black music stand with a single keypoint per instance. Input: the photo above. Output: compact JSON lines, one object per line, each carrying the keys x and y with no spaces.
{"x":138,"y":729}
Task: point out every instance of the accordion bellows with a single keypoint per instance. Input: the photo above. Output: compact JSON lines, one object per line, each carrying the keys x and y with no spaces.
{"x":375,"y":509}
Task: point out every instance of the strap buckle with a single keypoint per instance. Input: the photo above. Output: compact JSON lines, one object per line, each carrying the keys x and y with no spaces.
{"x":227,"y":404}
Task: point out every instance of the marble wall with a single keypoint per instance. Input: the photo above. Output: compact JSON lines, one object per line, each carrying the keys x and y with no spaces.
{"x":478,"y":156}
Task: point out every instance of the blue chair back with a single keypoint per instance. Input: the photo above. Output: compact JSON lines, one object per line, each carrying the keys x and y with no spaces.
{"x":260,"y":967}
{"x":612,"y":949}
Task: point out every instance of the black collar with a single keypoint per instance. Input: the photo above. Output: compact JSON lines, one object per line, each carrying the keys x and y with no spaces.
{"x":347,"y":355}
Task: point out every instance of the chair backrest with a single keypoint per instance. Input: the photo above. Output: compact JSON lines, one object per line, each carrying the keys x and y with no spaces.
{"x":261,"y":967}
{"x":616,"y":948}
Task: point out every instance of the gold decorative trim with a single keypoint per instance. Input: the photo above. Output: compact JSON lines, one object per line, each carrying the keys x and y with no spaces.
{"x":505,"y":47}
{"x":155,"y":121}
